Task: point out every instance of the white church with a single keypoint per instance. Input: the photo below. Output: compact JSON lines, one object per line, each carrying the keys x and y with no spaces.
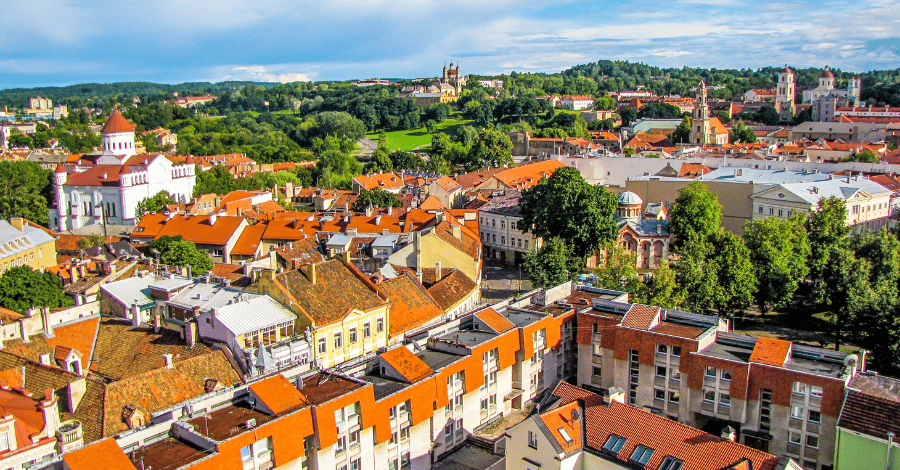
{"x":825,"y":98}
{"x":107,"y":187}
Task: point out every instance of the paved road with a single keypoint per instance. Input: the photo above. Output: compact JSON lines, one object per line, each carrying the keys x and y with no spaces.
{"x":500,"y":281}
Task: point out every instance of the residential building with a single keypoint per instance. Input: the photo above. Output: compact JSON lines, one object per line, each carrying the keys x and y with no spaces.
{"x":450,"y":242}
{"x":216,"y":234}
{"x":502,"y":237}
{"x":40,"y":103}
{"x":576,"y":102}
{"x":577,"y":429}
{"x":775,"y":395}
{"x":868,"y":431}
{"x":865,"y":132}
{"x":760,"y":94}
{"x":25,"y":244}
{"x":31,"y":433}
{"x":520,"y":177}
{"x":109,"y":190}
{"x":192,"y":101}
{"x":448,"y":191}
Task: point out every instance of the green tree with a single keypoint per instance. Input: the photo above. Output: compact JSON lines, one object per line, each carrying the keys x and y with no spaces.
{"x":741,"y":134}
{"x":553,"y":264}
{"x":340,"y":124}
{"x":152,"y":205}
{"x":619,"y":271}
{"x":24,"y":191}
{"x":659,"y":111}
{"x":736,"y":281}
{"x":407,"y":160}
{"x":566,"y":206}
{"x":778,"y":251}
{"x":180,"y":252}
{"x":865,"y":156}
{"x":827,"y":228}
{"x":662,"y":289}
{"x":682,"y":133}
{"x":695,"y":215}
{"x":375,"y":198}
{"x":628,"y":115}
{"x":22,"y":288}
{"x":491,"y":148}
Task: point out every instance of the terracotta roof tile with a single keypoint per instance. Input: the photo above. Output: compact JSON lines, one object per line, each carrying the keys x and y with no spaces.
{"x":278,"y":394}
{"x":693,"y":169}
{"x":431,"y":203}
{"x":197,"y":228}
{"x":407,"y":364}
{"x":558,"y":421}
{"x":468,"y":242}
{"x":470,"y":180}
{"x":451,"y":289}
{"x":249,"y":241}
{"x":79,"y":335}
{"x":528,"y":175}
{"x":97,"y":175}
{"x":641,"y":317}
{"x":117,"y":123}
{"x":411,"y":306}
{"x":384,"y":181}
{"x":14,"y":377}
{"x":304,"y":251}
{"x":771,"y":351}
{"x":149,"y":226}
{"x":494,"y":320}
{"x":336,"y":292}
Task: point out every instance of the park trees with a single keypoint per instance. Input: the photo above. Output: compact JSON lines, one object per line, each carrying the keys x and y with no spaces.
{"x":779,"y":250}
{"x":375,"y":198}
{"x":491,"y":148}
{"x":154,"y":204}
{"x":24,"y":191}
{"x":695,"y":215}
{"x":553,"y":264}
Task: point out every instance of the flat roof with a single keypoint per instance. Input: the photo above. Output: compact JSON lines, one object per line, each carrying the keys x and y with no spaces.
{"x":384,"y":387}
{"x":520,"y":318}
{"x":805,"y":359}
{"x":438,"y":360}
{"x":321,"y":388}
{"x":677,"y":329}
{"x":468,"y":337}
{"x":167,"y":454}
{"x":229,"y":421}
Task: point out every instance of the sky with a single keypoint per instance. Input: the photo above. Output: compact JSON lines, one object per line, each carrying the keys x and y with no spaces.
{"x":64,"y":42}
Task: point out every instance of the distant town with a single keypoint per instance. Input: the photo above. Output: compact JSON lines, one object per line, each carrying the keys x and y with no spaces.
{"x":618,"y":266}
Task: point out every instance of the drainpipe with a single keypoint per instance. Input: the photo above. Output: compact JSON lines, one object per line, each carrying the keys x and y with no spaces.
{"x":890,"y":443}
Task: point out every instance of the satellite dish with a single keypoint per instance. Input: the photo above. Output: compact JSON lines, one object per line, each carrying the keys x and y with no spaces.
{"x":576,"y":414}
{"x":851,"y":361}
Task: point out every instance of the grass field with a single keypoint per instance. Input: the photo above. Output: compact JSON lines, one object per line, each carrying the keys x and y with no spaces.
{"x":413,"y":139}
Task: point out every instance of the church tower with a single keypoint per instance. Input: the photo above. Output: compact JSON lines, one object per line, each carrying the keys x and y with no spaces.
{"x":117,"y":135}
{"x":784,"y":98}
{"x":854,"y":85}
{"x":701,"y":130}
{"x":4,"y":135}
{"x":826,"y":79}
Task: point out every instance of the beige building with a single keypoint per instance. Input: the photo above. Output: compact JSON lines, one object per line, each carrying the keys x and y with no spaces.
{"x":500,"y":230}
{"x":23,"y":244}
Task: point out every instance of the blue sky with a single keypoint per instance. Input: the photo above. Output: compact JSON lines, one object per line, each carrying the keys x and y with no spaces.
{"x":61,"y":42}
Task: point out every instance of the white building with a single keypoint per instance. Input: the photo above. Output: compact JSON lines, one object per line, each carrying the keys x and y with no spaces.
{"x":110,"y":188}
{"x":576,"y":102}
{"x":825,"y":98}
{"x":784,"y":95}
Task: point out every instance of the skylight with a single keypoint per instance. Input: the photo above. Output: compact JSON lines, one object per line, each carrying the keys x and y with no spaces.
{"x":614,"y":443}
{"x":670,"y":463}
{"x":565,"y":435}
{"x":641,"y":455}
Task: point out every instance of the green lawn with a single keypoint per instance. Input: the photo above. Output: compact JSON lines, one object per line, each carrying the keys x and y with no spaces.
{"x":418,"y":138}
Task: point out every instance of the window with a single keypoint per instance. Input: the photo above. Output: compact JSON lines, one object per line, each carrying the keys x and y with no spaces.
{"x":659,"y":393}
{"x":794,"y":437}
{"x":352,"y":335}
{"x":676,"y":352}
{"x":812,"y":441}
{"x":709,"y":396}
{"x":614,"y":443}
{"x":760,"y":209}
{"x":502,"y":240}
{"x":799,"y":388}
{"x":323,"y":347}
{"x":356,"y":463}
{"x":484,"y":404}
{"x":598,"y":371}
{"x":565,"y":435}
{"x":641,"y":455}
{"x":246,"y":453}
{"x":662,"y":349}
{"x":670,"y":463}
{"x":674,"y":396}
{"x":404,"y":434}
{"x":797,"y":412}
{"x":661,"y":371}
{"x":725,"y":399}
{"x":815,"y":392}
{"x":341,"y":445}
{"x":532,"y":440}
{"x":493,"y":222}
{"x":354,"y":438}
{"x":814,"y":416}
{"x":726,"y":375}
{"x":338,"y":342}
{"x":710,"y":371}
{"x":494,"y":238}
{"x":526,"y":244}
{"x":379,"y":325}
{"x":492,"y":378}
{"x":367,"y":330}
{"x":503,"y":223}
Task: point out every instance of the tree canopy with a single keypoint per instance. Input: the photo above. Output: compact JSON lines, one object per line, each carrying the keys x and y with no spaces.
{"x":376,"y":198}
{"x":154,"y":204}
{"x":491,"y":148}
{"x":180,"y":252}
{"x":553,"y":264}
{"x":24,"y":191}
{"x":779,"y":250}
{"x":22,"y":288}
{"x":566,"y":206}
{"x":695,"y":215}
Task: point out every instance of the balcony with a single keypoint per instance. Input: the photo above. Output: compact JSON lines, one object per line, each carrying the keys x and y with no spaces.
{"x":70,"y":432}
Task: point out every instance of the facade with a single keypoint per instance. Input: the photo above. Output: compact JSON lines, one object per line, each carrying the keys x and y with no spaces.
{"x":706,"y":130}
{"x":576,"y":102}
{"x":501,"y":235}
{"x":867,"y":432}
{"x":23,"y":244}
{"x":776,"y":396}
{"x":30,"y":430}
{"x":647,"y":237}
{"x":109,"y":190}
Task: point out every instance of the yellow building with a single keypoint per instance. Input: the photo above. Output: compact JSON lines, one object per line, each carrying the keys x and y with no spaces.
{"x":346,"y":315}
{"x":24,"y":244}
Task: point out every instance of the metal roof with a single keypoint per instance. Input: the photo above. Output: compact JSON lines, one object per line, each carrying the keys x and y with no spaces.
{"x":13,"y":240}
{"x":171,"y":283}
{"x":253,"y":315}
{"x":210,"y":296}
{"x":134,"y":290}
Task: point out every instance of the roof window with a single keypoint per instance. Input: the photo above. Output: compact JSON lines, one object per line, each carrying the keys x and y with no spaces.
{"x":670,"y":463}
{"x":565,"y":435}
{"x":641,"y":455}
{"x":614,"y":443}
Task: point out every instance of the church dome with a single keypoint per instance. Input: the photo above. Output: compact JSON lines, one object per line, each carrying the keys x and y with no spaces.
{"x":826,"y":73}
{"x":628,"y":198}
{"x":116,"y":124}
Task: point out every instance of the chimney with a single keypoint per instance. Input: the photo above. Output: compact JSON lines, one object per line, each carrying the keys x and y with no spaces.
{"x":437,"y":271}
{"x":157,"y":323}
{"x":50,"y":412}
{"x":312,"y":273}
{"x":135,"y":316}
{"x":212,"y":219}
{"x":74,"y":393}
{"x":168,"y":359}
{"x":82,"y":271}
{"x":190,"y":333}
{"x":390,"y":210}
{"x":617,"y":394}
{"x":73,"y":274}
{"x":17,"y":222}
{"x":457,"y":231}
{"x":378,"y":219}
{"x":346,"y":207}
{"x":45,"y":321}
{"x":44,"y":360}
{"x":385,"y":231}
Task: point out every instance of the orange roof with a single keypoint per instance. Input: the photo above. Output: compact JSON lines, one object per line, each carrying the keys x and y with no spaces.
{"x":717,"y":126}
{"x":269,"y":207}
{"x":407,"y":364}
{"x":248,"y":242}
{"x":411,"y":307}
{"x":105,"y":454}
{"x":494,"y":320}
{"x":197,"y":228}
{"x":431,"y":203}
{"x":771,"y":351}
{"x":470,"y":180}
{"x":693,"y":169}
{"x":446,"y":182}
{"x":13,"y":377}
{"x":559,"y":421}
{"x":640,"y":316}
{"x":278,"y":394}
{"x":97,"y":175}
{"x":149,"y":226}
{"x":381,"y":180}
{"x":117,"y":123}
{"x":528,"y":175}
{"x":79,"y":335}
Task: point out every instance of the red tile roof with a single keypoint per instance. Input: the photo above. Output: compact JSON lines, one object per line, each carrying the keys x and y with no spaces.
{"x":278,"y":394}
{"x":470,"y":180}
{"x":249,"y":241}
{"x":693,"y":170}
{"x":117,"y":123}
{"x":384,"y":181}
{"x":431,"y":203}
{"x":771,"y":351}
{"x":407,"y":364}
{"x":105,"y":454}
{"x":561,"y":420}
{"x":451,"y":289}
{"x":494,"y":320}
{"x":97,"y":175}
{"x":641,"y":317}
{"x":411,"y":306}
{"x":528,"y":175}
{"x":78,"y":335}
{"x":197,"y":228}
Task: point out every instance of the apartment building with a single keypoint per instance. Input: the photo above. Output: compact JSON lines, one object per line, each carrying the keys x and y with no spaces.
{"x":779,"y":397}
{"x":23,"y":244}
{"x":500,"y":229}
